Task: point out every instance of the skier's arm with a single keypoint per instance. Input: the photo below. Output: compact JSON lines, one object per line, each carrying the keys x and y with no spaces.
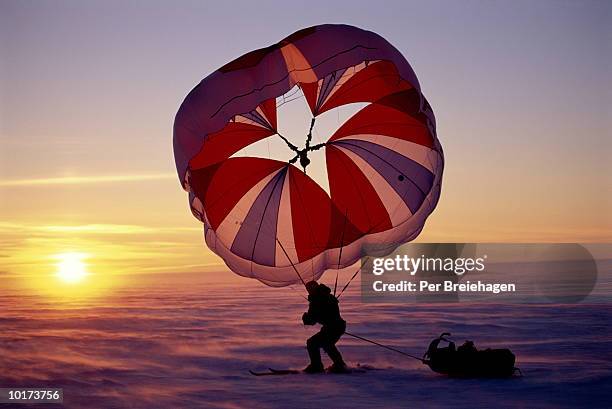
{"x":307,"y":319}
{"x":310,"y":317}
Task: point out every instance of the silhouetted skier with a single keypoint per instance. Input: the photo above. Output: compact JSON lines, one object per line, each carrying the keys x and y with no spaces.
{"x":323,"y":309}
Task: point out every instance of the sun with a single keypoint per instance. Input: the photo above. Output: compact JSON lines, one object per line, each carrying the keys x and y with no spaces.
{"x":71,"y":268}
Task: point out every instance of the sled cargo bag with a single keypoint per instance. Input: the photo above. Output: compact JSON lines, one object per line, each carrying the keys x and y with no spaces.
{"x":467,"y":361}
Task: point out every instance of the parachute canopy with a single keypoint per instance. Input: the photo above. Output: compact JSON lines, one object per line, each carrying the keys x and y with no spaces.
{"x":267,"y":218}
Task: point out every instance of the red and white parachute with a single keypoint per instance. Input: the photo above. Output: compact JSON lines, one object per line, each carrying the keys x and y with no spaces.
{"x":266,"y":218}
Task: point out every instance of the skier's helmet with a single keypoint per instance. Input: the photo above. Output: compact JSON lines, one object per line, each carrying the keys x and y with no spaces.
{"x":311,"y":286}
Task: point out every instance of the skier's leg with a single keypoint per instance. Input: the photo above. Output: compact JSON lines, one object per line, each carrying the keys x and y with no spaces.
{"x":331,"y":336}
{"x":313,"y":345}
{"x":334,"y":354}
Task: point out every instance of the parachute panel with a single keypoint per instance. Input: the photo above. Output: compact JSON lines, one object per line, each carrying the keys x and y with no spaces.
{"x":352,"y":192}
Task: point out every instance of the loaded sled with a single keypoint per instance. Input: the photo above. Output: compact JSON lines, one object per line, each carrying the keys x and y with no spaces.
{"x":466,"y":361}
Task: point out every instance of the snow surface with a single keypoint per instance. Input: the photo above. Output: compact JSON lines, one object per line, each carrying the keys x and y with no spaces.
{"x":183,"y":341}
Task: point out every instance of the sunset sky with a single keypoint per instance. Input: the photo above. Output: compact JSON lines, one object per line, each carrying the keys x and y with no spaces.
{"x":89,"y":90}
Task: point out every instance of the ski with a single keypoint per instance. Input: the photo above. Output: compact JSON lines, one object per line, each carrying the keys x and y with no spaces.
{"x":285,"y":371}
{"x":271,"y":371}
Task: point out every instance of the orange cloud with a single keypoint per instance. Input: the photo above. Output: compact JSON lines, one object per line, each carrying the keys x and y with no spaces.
{"x":76,"y":180}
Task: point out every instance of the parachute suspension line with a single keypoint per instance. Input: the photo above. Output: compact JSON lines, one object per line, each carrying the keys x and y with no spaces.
{"x":349,"y":281}
{"x":385,"y":346}
{"x":312,"y":268}
{"x":352,"y":278}
{"x":289,"y":144}
{"x":289,"y":258}
{"x":336,"y":283}
{"x":342,"y":237}
{"x":302,"y":154}
{"x":309,"y":136}
{"x":295,"y":289}
{"x":290,"y":96}
{"x":341,"y":247}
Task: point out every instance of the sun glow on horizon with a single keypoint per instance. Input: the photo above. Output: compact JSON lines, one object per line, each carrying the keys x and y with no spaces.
{"x":71,"y":268}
